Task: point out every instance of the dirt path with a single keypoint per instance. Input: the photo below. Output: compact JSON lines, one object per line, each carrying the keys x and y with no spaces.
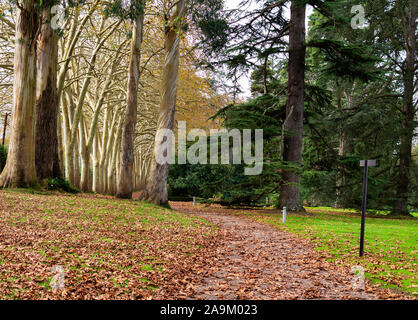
{"x":256,"y":261}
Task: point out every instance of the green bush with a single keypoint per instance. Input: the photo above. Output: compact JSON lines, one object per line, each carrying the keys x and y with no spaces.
{"x":3,"y":157}
{"x":61,"y":184}
{"x":223,"y":184}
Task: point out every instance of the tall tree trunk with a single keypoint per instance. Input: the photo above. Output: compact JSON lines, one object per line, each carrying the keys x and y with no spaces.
{"x":103,"y":150}
{"x":339,"y":202}
{"x":408,"y":114}
{"x":84,"y":157}
{"x":111,"y":175}
{"x":46,"y":156}
{"x":124,"y":189}
{"x":292,"y":153}
{"x":60,"y":142}
{"x":96,"y":165}
{"x":20,"y":166}
{"x":76,"y":160}
{"x":343,"y":150}
{"x":66,"y":112}
{"x":156,"y":190}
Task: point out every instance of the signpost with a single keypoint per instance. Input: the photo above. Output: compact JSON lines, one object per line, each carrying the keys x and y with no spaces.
{"x":366,"y":164}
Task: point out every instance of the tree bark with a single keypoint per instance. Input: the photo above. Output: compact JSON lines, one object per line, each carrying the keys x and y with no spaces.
{"x":111,"y":175}
{"x":125,"y":185}
{"x":20,"y":166}
{"x":102,"y":158}
{"x":66,"y":112}
{"x":5,"y":128}
{"x":84,"y":157}
{"x":46,"y":156}
{"x":76,"y":160}
{"x":292,"y":153}
{"x":408,"y":114}
{"x":96,"y":165}
{"x":343,"y":150}
{"x":156,"y":190}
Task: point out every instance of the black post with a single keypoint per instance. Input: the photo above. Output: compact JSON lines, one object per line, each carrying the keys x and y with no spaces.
{"x":363,"y":207}
{"x":4,"y":128}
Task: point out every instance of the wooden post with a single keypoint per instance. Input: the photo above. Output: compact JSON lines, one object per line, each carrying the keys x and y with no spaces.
{"x":4,"y":128}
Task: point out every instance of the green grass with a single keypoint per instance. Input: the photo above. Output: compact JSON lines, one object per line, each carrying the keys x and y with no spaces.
{"x":391,"y":245}
{"x":105,"y":245}
{"x":372,"y":211}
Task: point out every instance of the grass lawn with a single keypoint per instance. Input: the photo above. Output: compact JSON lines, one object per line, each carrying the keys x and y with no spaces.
{"x":391,"y":245}
{"x":109,"y":249}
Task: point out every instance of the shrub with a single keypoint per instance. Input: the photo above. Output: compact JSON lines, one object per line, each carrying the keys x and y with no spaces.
{"x":61,"y":184}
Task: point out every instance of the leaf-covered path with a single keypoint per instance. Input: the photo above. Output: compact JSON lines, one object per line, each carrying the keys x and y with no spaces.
{"x":114,"y":249}
{"x":256,"y":261}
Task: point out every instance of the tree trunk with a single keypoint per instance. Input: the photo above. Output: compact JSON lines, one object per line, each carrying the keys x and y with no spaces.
{"x":68,"y":110}
{"x":408,"y":114}
{"x":124,"y":189}
{"x":84,"y":157}
{"x":20,"y":166}
{"x":103,"y":151}
{"x":292,"y":153}
{"x":343,"y":150}
{"x":60,"y":142}
{"x":76,"y":160}
{"x":46,"y":156}
{"x":96,"y":165}
{"x":156,"y":190}
{"x":111,"y":175}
